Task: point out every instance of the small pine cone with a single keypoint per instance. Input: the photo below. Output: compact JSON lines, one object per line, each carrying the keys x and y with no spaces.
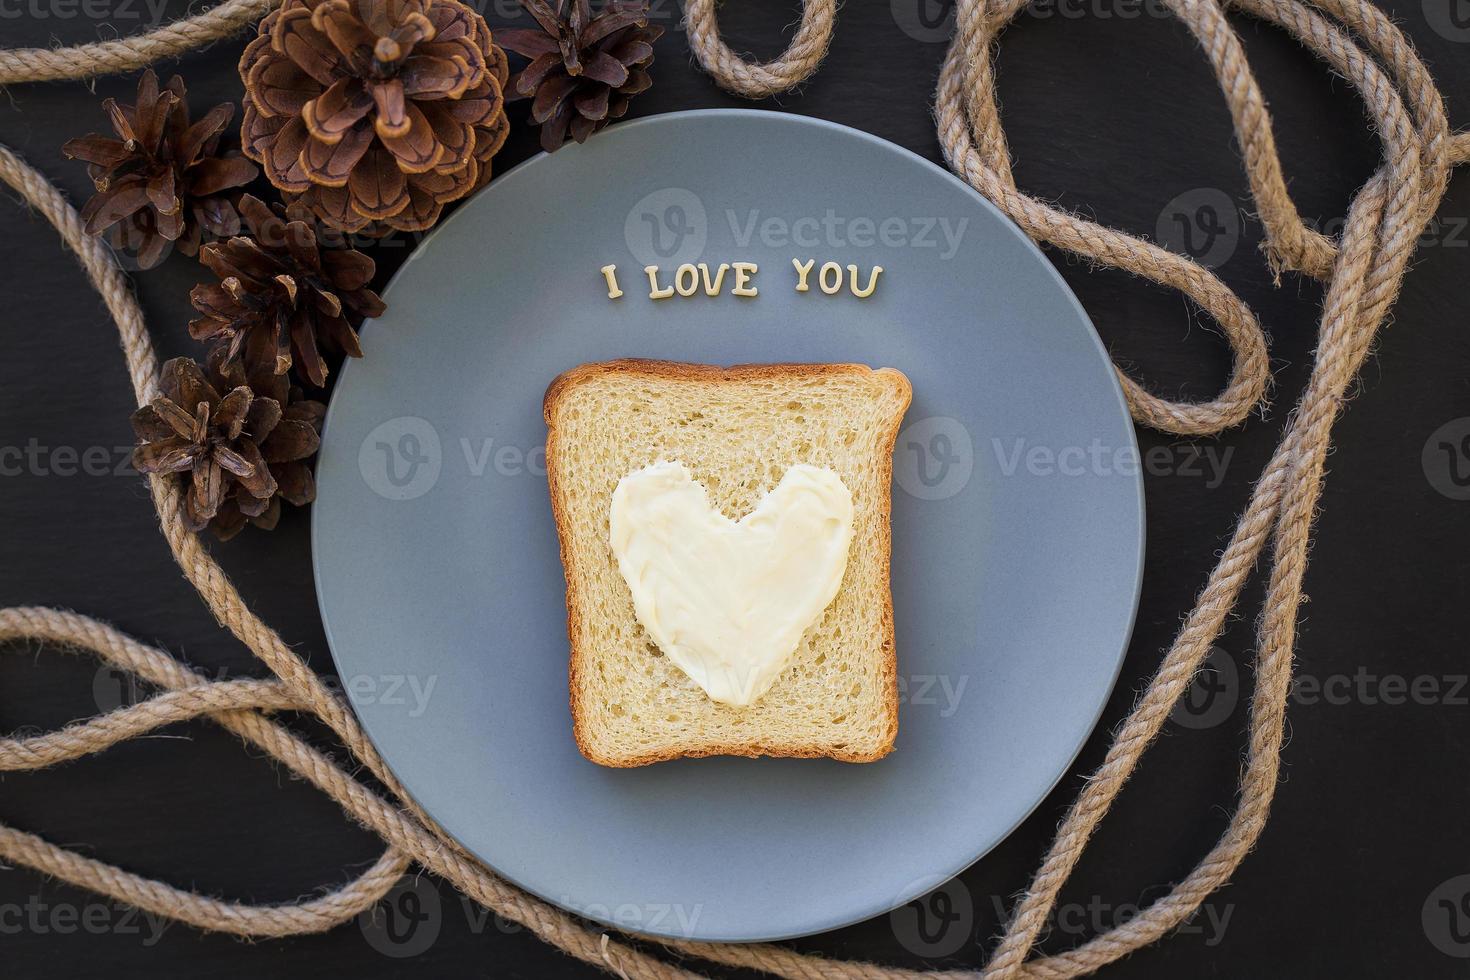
{"x":282,"y":295}
{"x":584,"y":69}
{"x":162,"y":180}
{"x":240,"y":454}
{"x":286,"y":447}
{"x":374,"y":113}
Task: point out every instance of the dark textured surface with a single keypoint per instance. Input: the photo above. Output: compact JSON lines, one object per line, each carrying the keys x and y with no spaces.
{"x":1113,"y":111}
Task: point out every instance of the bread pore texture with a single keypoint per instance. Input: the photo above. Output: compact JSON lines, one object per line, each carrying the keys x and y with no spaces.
{"x":737,"y":431}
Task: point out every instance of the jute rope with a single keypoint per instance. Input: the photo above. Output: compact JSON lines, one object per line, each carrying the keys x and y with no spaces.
{"x":758,"y":81}
{"x":131,"y":53}
{"x":1363,"y":273}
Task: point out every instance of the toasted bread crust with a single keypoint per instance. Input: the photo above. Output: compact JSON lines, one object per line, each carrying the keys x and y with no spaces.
{"x":713,"y":374}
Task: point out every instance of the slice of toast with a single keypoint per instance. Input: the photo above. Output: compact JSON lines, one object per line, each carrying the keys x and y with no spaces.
{"x":737,"y":430}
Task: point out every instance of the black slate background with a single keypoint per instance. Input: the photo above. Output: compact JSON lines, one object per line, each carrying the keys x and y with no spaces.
{"x":1111,"y":110}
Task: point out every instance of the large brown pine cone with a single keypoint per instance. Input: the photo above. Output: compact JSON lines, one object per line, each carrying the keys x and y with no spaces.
{"x":376,"y":112}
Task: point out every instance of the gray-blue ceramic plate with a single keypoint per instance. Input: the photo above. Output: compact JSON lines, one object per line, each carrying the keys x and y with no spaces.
{"x":1017,"y":519}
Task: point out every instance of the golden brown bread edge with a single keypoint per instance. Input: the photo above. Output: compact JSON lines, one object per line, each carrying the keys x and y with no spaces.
{"x":568,"y":380}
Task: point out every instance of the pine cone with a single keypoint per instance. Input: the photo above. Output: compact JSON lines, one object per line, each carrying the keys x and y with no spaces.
{"x":238,"y":449}
{"x":376,"y":112}
{"x":583,"y":69}
{"x":294,"y":438}
{"x":161,"y":180}
{"x":281,"y":295}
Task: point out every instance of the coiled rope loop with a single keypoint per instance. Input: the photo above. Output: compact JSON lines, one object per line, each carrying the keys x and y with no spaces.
{"x":1363,"y":272}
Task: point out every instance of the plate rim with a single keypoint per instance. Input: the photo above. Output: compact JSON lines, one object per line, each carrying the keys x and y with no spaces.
{"x":828,"y":922}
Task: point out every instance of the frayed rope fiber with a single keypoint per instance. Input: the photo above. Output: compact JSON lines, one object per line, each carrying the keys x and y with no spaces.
{"x":1363,"y":272}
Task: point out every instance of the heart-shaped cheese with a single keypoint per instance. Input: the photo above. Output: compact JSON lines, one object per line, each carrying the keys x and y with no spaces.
{"x":728,"y":601}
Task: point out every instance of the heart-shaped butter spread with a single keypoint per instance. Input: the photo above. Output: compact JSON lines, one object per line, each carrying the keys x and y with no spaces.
{"x":728,"y":601}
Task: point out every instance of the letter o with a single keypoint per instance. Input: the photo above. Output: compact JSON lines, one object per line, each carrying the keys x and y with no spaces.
{"x":686,"y":279}
{"x":832,"y":284}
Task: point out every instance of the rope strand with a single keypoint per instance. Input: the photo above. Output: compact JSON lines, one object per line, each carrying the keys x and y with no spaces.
{"x":758,"y":81}
{"x":1363,"y":272}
